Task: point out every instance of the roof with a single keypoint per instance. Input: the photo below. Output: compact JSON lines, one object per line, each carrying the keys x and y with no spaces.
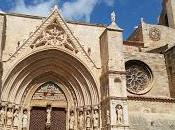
{"x":42,"y":17}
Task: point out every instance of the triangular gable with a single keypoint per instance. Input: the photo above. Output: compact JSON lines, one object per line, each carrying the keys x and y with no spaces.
{"x":53,"y":32}
{"x":54,"y":35}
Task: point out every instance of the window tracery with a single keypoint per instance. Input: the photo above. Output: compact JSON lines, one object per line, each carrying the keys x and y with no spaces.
{"x":138,"y":78}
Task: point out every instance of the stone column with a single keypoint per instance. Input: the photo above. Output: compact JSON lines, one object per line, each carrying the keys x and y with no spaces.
{"x":2,"y":42}
{"x":113,"y":79}
{"x":2,"y":116}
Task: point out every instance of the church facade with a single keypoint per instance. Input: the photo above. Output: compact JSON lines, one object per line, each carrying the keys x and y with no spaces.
{"x":61,"y":75}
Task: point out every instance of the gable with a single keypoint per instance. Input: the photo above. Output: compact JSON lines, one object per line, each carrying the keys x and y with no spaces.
{"x":54,"y":35}
{"x":53,"y":32}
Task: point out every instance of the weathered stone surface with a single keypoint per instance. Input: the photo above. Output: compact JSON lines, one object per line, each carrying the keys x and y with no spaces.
{"x":104,"y":83}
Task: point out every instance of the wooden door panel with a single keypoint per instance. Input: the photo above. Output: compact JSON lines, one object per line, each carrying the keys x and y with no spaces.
{"x":58,"y":119}
{"x":38,"y":117}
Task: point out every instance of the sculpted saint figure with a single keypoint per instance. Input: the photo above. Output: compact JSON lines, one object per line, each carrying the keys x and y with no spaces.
{"x":71,"y":121}
{"x":48,"y":116}
{"x":95,"y":119}
{"x":16,"y":118}
{"x":81,"y":121}
{"x":108,"y":117}
{"x":9,"y":117}
{"x":2,"y":116}
{"x":88,"y":120}
{"x":119,"y":112}
{"x":24,"y":120}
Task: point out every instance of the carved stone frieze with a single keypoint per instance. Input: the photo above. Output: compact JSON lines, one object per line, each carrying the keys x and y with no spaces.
{"x":54,"y":35}
{"x":49,"y":91}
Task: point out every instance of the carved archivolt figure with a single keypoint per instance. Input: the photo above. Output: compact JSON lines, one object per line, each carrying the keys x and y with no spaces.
{"x":2,"y":116}
{"x":48,"y":116}
{"x":9,"y":117}
{"x":16,"y":118}
{"x":81,"y":121}
{"x":96,"y":119}
{"x":119,"y":112}
{"x":24,"y":120}
{"x":71,"y":121}
{"x":88,"y":120}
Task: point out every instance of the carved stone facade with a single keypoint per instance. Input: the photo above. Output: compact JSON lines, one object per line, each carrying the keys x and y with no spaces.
{"x":58,"y":75}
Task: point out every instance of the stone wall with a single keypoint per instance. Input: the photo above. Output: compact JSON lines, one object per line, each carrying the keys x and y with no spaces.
{"x":170,"y":62}
{"x":153,"y":36}
{"x":156,"y":62}
{"x":152,"y":115}
{"x":19,"y":28}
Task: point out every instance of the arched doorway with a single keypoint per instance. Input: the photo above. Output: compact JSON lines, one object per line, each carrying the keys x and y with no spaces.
{"x":48,"y":108}
{"x":68,"y":73}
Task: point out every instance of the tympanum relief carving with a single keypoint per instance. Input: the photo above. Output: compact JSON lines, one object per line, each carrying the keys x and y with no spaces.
{"x":54,"y":35}
{"x":49,"y":91}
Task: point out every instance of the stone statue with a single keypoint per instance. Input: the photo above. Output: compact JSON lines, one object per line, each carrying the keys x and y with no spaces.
{"x":71,"y":121}
{"x":48,"y":116}
{"x":108,"y":117}
{"x":16,"y":118}
{"x":81,"y":121}
{"x":24,"y":120}
{"x":113,"y":17}
{"x":96,"y":119}
{"x":9,"y":117}
{"x":119,"y":113}
{"x":88,"y":120}
{"x":2,"y":116}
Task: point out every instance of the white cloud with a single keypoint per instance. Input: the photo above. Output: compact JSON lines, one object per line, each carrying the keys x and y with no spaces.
{"x":1,"y":11}
{"x":79,"y":9}
{"x":42,"y":8}
{"x":109,"y":2}
{"x":71,"y":10}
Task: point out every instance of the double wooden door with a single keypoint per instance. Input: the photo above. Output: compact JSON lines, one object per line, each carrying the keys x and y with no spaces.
{"x":38,"y":117}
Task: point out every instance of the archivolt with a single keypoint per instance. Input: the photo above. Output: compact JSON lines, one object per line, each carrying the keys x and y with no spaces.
{"x":56,"y":65}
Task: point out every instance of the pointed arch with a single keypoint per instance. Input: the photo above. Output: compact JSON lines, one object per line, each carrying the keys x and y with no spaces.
{"x":51,"y":64}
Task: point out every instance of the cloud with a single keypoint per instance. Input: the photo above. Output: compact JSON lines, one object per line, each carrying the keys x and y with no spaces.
{"x":71,"y":10}
{"x":109,"y":2}
{"x":1,"y":11}
{"x":79,"y":9}
{"x":41,"y":8}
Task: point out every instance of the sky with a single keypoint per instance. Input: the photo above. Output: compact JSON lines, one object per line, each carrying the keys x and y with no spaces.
{"x":128,"y":12}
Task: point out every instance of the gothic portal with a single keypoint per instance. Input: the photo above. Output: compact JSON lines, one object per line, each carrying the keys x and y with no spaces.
{"x":62,"y":75}
{"x":48,"y":108}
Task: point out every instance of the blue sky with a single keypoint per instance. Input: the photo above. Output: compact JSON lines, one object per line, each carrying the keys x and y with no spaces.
{"x":128,"y":12}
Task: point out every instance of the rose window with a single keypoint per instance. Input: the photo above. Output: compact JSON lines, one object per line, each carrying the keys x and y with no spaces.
{"x":139,"y":77}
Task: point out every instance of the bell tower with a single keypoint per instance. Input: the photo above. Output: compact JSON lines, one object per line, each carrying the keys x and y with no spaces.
{"x":167,"y":16}
{"x":113,"y":79}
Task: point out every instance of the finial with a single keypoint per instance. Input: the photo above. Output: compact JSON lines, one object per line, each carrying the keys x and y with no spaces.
{"x":142,"y":20}
{"x":113,"y":17}
{"x":113,"y":25}
{"x":55,"y":7}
